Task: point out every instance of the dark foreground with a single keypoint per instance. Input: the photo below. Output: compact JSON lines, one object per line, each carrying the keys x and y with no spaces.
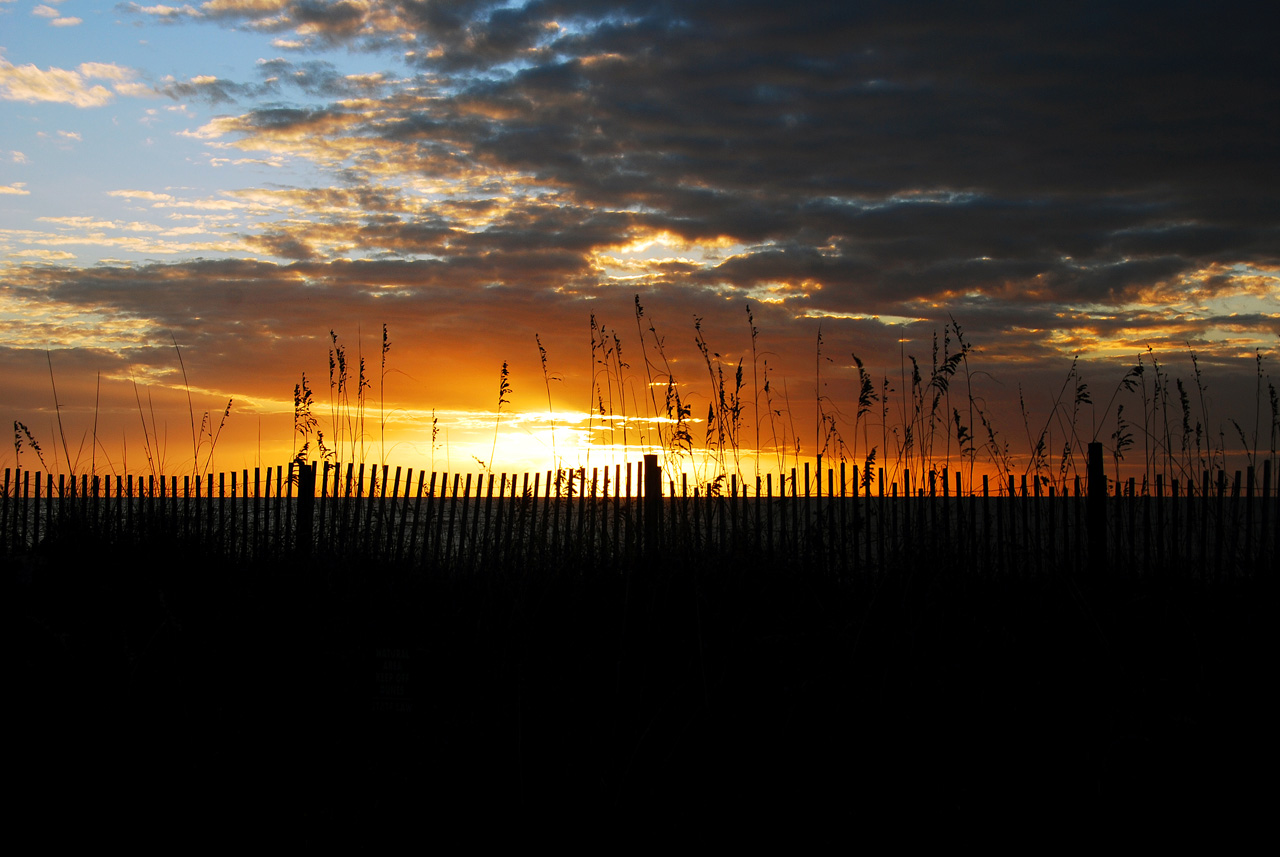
{"x":651,"y":693}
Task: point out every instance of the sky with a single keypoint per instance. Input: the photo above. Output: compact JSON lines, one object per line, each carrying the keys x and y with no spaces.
{"x":201,"y":203}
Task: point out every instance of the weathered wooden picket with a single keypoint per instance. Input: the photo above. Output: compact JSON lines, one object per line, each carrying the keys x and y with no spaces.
{"x":614,"y":515}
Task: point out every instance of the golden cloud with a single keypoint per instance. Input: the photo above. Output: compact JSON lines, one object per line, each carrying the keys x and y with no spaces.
{"x":43,"y":255}
{"x":31,"y":84}
{"x":141,"y":194}
{"x":242,"y":7}
{"x":162,"y":11}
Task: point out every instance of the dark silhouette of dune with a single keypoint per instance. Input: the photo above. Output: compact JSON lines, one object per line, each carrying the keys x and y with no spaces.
{"x":676,"y":690}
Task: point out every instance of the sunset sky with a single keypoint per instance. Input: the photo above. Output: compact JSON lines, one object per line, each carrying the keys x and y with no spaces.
{"x":242,"y":177}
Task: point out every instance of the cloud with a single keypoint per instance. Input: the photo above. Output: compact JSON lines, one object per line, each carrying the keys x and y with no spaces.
{"x":135,"y":237}
{"x":135,"y":90}
{"x":243,"y":8}
{"x":212,"y":90}
{"x":163,"y":12}
{"x":56,"y":17}
{"x":17,"y":189}
{"x":44,"y":255}
{"x":31,"y":84}
{"x":106,"y":71}
{"x":147,"y":195}
{"x":314,"y":78}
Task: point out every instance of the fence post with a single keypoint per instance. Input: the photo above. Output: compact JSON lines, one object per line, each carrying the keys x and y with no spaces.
{"x":652,"y":505}
{"x":1096,"y":509}
{"x":306,"y":506}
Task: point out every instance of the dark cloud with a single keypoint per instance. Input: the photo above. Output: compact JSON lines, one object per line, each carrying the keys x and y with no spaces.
{"x":337,"y":20}
{"x":214,"y":91}
{"x":282,"y":245}
{"x":1098,"y":132}
{"x":317,"y":77}
{"x":877,"y":152}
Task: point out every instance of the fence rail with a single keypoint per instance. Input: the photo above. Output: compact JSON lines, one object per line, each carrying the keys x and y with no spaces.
{"x":628,"y":512}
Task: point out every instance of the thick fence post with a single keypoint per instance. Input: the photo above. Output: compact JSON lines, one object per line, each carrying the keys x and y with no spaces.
{"x":1096,"y":509}
{"x":652,"y":506}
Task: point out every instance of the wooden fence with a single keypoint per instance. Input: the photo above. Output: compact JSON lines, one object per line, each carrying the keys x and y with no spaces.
{"x":611,"y":516}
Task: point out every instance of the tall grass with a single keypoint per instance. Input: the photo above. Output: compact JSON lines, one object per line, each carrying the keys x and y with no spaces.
{"x":946,"y":424}
{"x":547,"y":378}
{"x":504,"y":390}
{"x":938,"y":419}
